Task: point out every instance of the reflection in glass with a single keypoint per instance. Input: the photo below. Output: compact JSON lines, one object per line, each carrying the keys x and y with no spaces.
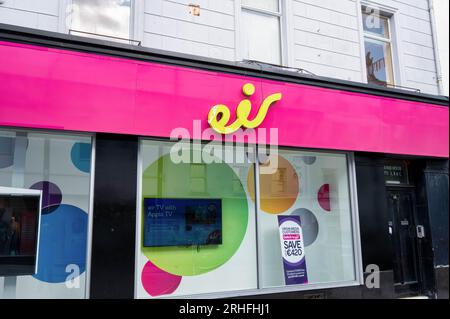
{"x":378,"y":62}
{"x":102,"y":17}
{"x":18,"y":225}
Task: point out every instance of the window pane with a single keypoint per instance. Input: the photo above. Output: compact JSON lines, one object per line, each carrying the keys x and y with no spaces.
{"x":261,"y":37}
{"x":103,"y":17}
{"x":270,"y":5}
{"x":376,"y":25}
{"x":379,"y":62}
{"x":313,"y":189}
{"x":59,"y":166}
{"x":197,"y":226}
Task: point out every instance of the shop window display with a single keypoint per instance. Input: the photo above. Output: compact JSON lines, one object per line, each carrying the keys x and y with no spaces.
{"x":59,"y":166}
{"x":312,"y":188}
{"x":205,"y":222}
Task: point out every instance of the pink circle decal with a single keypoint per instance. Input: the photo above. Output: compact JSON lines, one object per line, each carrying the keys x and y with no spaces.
{"x":157,"y":282}
{"x":323,"y":196}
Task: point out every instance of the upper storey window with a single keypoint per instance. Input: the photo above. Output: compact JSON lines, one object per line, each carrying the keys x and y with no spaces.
{"x":378,"y":48}
{"x":107,"y":19}
{"x":261,"y":30}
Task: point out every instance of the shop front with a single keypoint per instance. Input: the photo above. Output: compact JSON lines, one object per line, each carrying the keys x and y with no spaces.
{"x":162,"y":176}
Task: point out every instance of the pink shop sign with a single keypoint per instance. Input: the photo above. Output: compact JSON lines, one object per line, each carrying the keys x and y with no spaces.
{"x":67,"y":90}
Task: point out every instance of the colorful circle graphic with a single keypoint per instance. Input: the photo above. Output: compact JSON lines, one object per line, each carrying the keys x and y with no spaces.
{"x":206,"y":181}
{"x":51,"y":195}
{"x":310,"y":225}
{"x":309,"y":160}
{"x":81,"y":156}
{"x":323,"y":196}
{"x":279,"y":190}
{"x":62,"y":244}
{"x":157,"y":282}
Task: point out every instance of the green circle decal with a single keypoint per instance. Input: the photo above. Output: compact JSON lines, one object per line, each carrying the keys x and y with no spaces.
{"x":165,"y":179}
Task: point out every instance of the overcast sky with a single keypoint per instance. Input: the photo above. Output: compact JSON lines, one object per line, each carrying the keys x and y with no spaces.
{"x":441,"y":13}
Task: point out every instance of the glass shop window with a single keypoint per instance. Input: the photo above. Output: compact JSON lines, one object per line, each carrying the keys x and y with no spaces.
{"x":305,"y":231}
{"x":197,"y":226}
{"x":58,"y":166}
{"x":102,"y":19}
{"x":378,"y":48}
{"x":261,"y":31}
{"x":200,"y":230}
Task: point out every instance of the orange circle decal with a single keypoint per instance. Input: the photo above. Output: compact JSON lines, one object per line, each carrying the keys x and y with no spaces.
{"x":279,"y":189}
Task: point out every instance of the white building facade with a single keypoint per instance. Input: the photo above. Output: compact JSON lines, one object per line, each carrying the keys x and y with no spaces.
{"x":340,"y":39}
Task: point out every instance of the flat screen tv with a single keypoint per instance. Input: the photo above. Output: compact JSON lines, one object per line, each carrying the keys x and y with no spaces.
{"x":19,"y":224}
{"x":182,"y":222}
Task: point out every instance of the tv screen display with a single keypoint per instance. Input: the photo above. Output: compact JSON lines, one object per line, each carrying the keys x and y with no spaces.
{"x":182,"y":222}
{"x":19,"y":221}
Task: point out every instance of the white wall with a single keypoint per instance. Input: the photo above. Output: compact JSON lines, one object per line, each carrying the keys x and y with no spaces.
{"x":417,"y":44}
{"x":324,"y":36}
{"x":327,"y":40}
{"x":43,"y":15}
{"x":169,"y":26}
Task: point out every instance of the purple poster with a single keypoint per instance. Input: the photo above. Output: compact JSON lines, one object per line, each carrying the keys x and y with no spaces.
{"x":292,"y":250}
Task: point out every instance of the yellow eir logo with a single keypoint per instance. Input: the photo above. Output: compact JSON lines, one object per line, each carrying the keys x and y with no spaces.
{"x":219,"y":115}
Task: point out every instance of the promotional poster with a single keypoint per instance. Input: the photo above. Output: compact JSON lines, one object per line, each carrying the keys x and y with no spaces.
{"x":292,"y":250}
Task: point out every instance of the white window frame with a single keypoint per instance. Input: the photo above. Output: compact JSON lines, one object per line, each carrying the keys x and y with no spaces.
{"x":137,"y":20}
{"x":391,"y":13}
{"x":64,"y":16}
{"x":282,"y":15}
{"x":385,"y":40}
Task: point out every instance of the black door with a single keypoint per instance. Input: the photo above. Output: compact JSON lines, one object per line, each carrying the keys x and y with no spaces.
{"x":403,"y":233}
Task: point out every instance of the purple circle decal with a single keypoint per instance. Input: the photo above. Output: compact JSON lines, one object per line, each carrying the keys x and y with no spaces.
{"x":51,"y":196}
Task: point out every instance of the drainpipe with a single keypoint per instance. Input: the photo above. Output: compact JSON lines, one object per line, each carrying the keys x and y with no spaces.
{"x":436,"y":48}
